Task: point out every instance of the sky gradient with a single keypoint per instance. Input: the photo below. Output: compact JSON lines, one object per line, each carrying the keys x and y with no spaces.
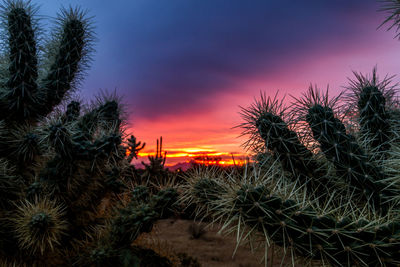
{"x":183,"y":67}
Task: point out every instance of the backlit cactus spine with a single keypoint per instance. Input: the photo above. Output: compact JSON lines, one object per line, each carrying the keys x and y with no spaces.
{"x":371,"y":96}
{"x":265,"y":122}
{"x":264,"y":212}
{"x":350,"y":160}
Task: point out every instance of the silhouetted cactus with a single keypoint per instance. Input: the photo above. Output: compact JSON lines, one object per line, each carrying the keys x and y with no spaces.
{"x":134,"y":148}
{"x":155,"y":168}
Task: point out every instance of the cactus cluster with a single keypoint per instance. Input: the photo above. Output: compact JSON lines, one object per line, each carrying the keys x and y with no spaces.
{"x":307,"y":202}
{"x":325,"y":182}
{"x":155,"y":168}
{"x":63,"y":167}
{"x":326,"y":192}
{"x":324,"y":185}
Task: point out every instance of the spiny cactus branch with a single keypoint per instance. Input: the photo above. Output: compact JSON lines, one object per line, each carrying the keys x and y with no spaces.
{"x":392,"y":8}
{"x":74,"y":38}
{"x":21,"y":86}
{"x":375,"y":101}
{"x":336,"y":235}
{"x":264,"y":119}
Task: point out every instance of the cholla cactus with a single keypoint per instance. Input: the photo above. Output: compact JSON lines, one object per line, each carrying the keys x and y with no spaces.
{"x":58,"y":167}
{"x":326,"y":192}
{"x":325,"y":184}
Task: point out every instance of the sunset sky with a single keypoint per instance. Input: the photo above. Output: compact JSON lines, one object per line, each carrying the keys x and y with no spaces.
{"x":183,"y":67}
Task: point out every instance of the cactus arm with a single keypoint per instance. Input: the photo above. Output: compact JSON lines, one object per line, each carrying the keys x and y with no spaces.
{"x":374,"y":120}
{"x":19,"y":102}
{"x":264,"y":121}
{"x":68,"y":60}
{"x":349,"y":159}
{"x":286,"y":147}
{"x":374,"y":98}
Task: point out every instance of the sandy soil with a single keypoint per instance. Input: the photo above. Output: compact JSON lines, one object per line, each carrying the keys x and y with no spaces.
{"x":211,"y":249}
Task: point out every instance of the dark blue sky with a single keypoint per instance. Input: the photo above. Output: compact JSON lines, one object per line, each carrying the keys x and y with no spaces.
{"x":175,"y":58}
{"x":171,"y":54}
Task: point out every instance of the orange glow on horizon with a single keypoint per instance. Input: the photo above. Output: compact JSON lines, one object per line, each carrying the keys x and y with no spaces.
{"x":236,"y":162}
{"x":191,"y":152}
{"x":192,"y":135}
{"x":171,"y":154}
{"x":200,"y":156}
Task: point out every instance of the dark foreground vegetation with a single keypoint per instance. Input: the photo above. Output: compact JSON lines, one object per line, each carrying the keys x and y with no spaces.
{"x":324,"y":184}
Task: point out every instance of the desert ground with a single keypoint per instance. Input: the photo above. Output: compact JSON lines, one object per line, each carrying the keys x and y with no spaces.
{"x":210,"y":249}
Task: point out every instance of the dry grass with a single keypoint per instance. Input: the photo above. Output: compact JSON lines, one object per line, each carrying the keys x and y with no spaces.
{"x":211,"y":249}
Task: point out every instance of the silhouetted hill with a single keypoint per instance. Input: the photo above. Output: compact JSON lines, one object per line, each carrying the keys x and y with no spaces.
{"x":183,"y":165}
